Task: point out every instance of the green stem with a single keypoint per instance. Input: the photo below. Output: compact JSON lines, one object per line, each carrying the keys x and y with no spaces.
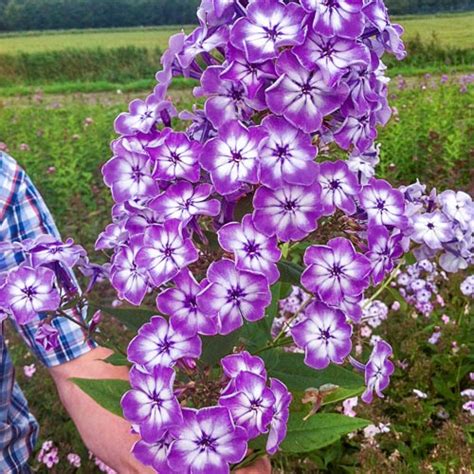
{"x":250,"y":459}
{"x":385,"y":285}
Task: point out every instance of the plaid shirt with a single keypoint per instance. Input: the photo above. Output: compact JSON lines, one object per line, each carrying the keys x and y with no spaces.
{"x":24,"y":215}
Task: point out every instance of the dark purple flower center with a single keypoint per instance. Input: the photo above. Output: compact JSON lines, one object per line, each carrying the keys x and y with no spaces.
{"x":252,"y":248}
{"x":137,"y":173}
{"x":236,"y":156}
{"x":157,"y":399}
{"x":336,"y":271}
{"x":236,"y":293}
{"x":236,"y":93}
{"x":174,"y":157}
{"x":290,"y":205}
{"x":272,"y":33}
{"x":307,"y":89}
{"x":191,"y":302}
{"x":380,"y":204}
{"x":334,"y":184}
{"x":282,"y":151}
{"x":29,"y":292}
{"x":431,"y":226}
{"x":165,"y":346}
{"x":255,"y":405}
{"x":332,"y":3}
{"x":146,"y":115}
{"x":168,"y":252}
{"x":325,"y":335}
{"x":206,"y":442}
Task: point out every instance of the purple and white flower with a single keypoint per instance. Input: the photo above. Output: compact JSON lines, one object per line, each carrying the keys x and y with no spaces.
{"x":129,"y":176}
{"x":339,"y":186}
{"x":232,"y":159}
{"x":268,"y":26}
{"x":378,"y":371}
{"x":166,"y":251}
{"x":154,"y":454}
{"x":142,"y":115}
{"x":254,"y":251}
{"x":28,"y":291}
{"x":207,"y":441}
{"x":180,"y":303}
{"x":301,"y":95}
{"x":251,"y":405}
{"x":183,"y":201}
{"x":176,"y":157}
{"x":432,"y":229}
{"x":46,"y":249}
{"x":287,"y":156}
{"x":384,"y":205}
{"x":234,"y":295}
{"x":335,"y":271}
{"x":151,"y":403}
{"x":129,"y":279}
{"x":47,"y":337}
{"x":324,"y":335}
{"x":384,"y":249}
{"x":333,"y":56}
{"x":159,"y":343}
{"x":459,"y":207}
{"x":336,"y":18}
{"x":290,"y":212}
{"x":278,"y":426}
{"x":227,"y":100}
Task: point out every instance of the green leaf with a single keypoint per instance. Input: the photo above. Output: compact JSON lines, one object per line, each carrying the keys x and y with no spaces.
{"x":118,"y":360}
{"x":290,"y":272}
{"x":106,"y":392}
{"x":318,"y":431}
{"x":133,"y":318}
{"x":290,"y":368}
{"x":216,"y":347}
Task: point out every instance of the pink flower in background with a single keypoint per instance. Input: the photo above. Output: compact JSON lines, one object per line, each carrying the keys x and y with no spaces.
{"x":29,"y":370}
{"x":74,"y":460}
{"x":24,"y":147}
{"x":349,"y":405}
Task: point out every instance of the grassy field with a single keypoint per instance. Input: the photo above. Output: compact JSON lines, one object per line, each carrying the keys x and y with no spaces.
{"x":450,"y":30}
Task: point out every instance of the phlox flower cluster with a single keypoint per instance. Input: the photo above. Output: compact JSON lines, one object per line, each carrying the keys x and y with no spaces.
{"x":441,"y":223}
{"x":419,"y":285}
{"x":204,"y":216}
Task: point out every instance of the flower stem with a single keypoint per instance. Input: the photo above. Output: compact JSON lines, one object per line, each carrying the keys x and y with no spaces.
{"x":385,"y":285}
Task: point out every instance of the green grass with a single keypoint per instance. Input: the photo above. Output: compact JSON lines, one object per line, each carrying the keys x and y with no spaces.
{"x":456,"y":30}
{"x":451,"y":30}
{"x":149,"y":38}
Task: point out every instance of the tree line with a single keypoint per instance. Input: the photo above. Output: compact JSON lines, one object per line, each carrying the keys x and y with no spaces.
{"x":18,"y":15}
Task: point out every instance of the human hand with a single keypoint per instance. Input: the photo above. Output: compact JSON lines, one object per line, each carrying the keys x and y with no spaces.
{"x":260,"y":466}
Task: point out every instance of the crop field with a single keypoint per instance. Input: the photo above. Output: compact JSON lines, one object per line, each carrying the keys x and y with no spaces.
{"x":449,"y":30}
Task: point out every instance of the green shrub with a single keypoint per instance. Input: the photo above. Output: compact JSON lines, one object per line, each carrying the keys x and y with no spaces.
{"x":112,"y":65}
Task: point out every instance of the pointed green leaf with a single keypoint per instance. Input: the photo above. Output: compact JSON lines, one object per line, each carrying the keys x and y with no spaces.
{"x":290,"y":272}
{"x":133,"y":318}
{"x":106,"y":392}
{"x":290,"y":368}
{"x":318,"y":431}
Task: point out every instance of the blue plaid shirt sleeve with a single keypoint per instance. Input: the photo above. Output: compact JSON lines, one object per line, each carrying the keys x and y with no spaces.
{"x":24,"y":215}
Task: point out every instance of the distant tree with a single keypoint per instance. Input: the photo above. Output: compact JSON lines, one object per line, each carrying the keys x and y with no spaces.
{"x":65,"y":14}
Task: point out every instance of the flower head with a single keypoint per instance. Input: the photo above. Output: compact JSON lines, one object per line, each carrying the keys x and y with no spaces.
{"x":252,"y":403}
{"x":254,"y":251}
{"x":234,"y":295}
{"x":290,"y":212}
{"x":28,"y":291}
{"x":180,"y":303}
{"x":378,"y":371}
{"x":207,"y":441}
{"x":433,"y":229}
{"x":151,"y":403}
{"x":335,"y":270}
{"x":166,"y":251}
{"x":47,"y":337}
{"x":232,"y":159}
{"x":324,"y":335}
{"x":158,"y":343}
